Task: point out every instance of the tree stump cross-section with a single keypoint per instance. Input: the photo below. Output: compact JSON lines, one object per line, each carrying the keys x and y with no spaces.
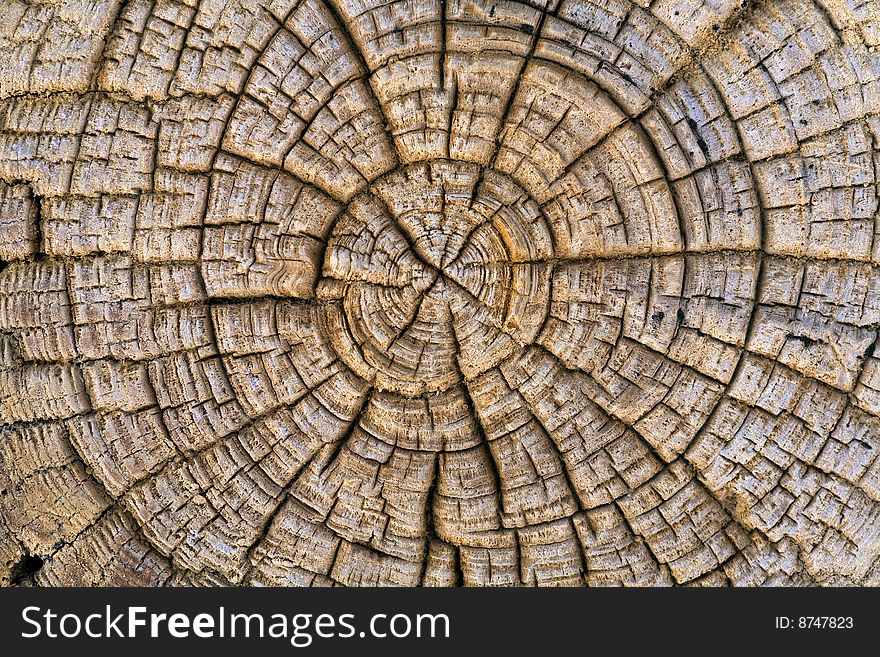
{"x":439,"y":292}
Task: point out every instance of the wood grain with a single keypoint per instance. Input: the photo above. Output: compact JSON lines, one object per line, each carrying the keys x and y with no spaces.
{"x":439,"y":292}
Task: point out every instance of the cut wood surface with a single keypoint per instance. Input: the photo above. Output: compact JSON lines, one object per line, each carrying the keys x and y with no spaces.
{"x":439,"y":292}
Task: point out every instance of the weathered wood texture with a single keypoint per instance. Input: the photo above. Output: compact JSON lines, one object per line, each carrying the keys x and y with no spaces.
{"x":439,"y":292}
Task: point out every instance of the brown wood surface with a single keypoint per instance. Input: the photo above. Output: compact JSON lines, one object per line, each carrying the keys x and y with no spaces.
{"x":439,"y":292}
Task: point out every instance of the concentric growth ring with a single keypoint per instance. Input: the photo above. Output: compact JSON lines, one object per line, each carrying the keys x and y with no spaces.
{"x":439,"y":272}
{"x":484,"y":292}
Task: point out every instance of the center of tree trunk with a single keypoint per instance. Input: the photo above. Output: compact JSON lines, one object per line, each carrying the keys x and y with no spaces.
{"x":437,"y":273}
